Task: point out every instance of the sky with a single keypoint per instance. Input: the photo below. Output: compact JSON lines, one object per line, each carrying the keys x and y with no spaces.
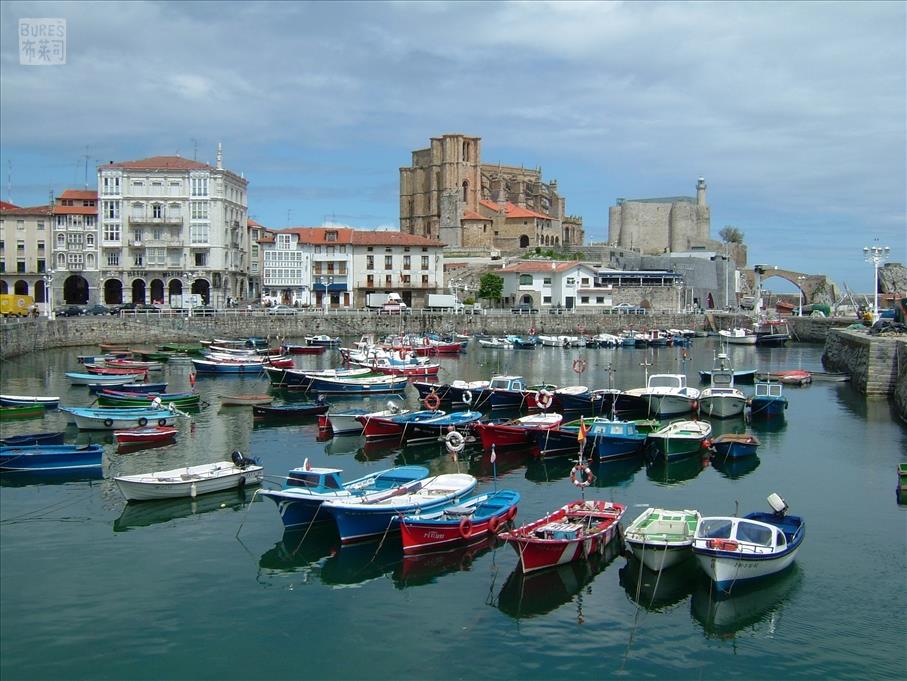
{"x":794,"y":113}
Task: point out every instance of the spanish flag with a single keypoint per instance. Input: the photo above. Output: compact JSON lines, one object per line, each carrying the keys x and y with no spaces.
{"x":581,"y":433}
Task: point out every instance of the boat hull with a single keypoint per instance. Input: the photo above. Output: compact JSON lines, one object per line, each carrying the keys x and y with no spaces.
{"x":722,"y":407}
{"x":50,"y":458}
{"x":730,"y":569}
{"x":176,"y":483}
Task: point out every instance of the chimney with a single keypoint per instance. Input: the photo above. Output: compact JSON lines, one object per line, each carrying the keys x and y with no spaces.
{"x":220,"y":157}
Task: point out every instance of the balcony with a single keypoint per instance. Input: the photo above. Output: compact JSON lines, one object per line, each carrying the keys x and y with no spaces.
{"x":168,"y":220}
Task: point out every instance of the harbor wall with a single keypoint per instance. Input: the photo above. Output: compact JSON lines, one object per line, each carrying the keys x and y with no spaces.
{"x":877,"y":364}
{"x":31,"y":335}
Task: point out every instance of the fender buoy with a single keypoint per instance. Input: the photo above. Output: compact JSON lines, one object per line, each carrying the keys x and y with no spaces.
{"x":694,"y":405}
{"x":465,"y":528}
{"x":544,"y":399}
{"x":143,"y":422}
{"x":455,"y":441}
{"x":531,"y":330}
{"x":494,"y":522}
{"x":108,"y":422}
{"x":466,"y":397}
{"x":162,"y":422}
{"x":581,"y":475}
{"x":707,"y":444}
{"x":432,"y":401}
{"x":579,"y":365}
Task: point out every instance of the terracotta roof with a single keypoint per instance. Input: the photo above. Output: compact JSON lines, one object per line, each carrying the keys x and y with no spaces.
{"x":317,"y":235}
{"x":472,"y":215}
{"x":160,"y":163}
{"x":79,"y":195}
{"x":252,"y":223}
{"x":361,"y":237}
{"x":6,"y":205}
{"x":532,"y":266}
{"x":30,"y":210}
{"x":75,"y":210}
{"x":511,"y":210}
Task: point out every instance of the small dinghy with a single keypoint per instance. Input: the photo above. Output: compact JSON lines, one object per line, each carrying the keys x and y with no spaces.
{"x":660,"y":538}
{"x":50,"y":458}
{"x":190,"y":481}
{"x":244,"y":400}
{"x":28,"y":400}
{"x":27,"y":439}
{"x":735,"y":445}
{"x":145,"y":435}
{"x":289,"y":410}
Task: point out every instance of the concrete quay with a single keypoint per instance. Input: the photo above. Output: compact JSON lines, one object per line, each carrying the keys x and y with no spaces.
{"x":877,"y":364}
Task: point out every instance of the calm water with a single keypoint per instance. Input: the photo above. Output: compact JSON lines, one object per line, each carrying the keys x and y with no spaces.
{"x":93,"y":589}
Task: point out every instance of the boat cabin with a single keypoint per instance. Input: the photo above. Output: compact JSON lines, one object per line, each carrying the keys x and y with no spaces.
{"x":319,"y":479}
{"x":607,"y":428}
{"x":674,"y":381}
{"x":768,"y":390}
{"x":507,"y":383}
{"x":739,"y":534}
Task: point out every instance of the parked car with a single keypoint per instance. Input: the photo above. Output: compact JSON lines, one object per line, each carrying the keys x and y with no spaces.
{"x":627,"y":308}
{"x":69,"y":311}
{"x":204,"y":311}
{"x":282,"y":309}
{"x":135,"y":307}
{"x":523,"y":308}
{"x":99,"y":310}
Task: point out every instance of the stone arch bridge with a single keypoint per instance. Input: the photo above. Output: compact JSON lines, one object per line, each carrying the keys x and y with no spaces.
{"x":816,"y":288}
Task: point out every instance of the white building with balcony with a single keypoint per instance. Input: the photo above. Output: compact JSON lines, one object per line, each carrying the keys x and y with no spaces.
{"x":25,"y":248}
{"x":287,"y":270}
{"x":569,"y":285}
{"x":75,"y":247}
{"x":170,"y":226}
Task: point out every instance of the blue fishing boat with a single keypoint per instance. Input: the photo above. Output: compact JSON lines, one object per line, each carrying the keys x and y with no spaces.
{"x":474,"y":394}
{"x":425,"y":430}
{"x":307,"y":487}
{"x":735,"y":445}
{"x":87,"y":418}
{"x":768,"y":402}
{"x":359,"y":385}
{"x":142,"y":388}
{"x":732,"y":549}
{"x":33,"y":439}
{"x":206,"y":366}
{"x":615,"y":439}
{"x":36,"y":458}
{"x":464,"y":522}
{"x":28,"y":400}
{"x":78,"y":378}
{"x":508,"y":392}
{"x":361,"y":518}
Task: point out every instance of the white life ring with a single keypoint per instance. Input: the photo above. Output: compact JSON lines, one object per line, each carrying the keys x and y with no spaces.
{"x":581,"y":475}
{"x":545,"y":398}
{"x":455,"y":441}
{"x":466,"y":397}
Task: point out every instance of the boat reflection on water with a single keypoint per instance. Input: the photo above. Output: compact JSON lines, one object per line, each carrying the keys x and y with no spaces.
{"x":131,"y":448}
{"x":617,"y":473}
{"x":377,"y":450}
{"x":28,"y":478}
{"x":665,"y":472}
{"x":143,"y":514}
{"x":768,"y":425}
{"x":735,"y":468}
{"x":749,"y":606}
{"x":658,"y":591}
{"x":300,"y":551}
{"x":357,"y":563}
{"x":425,"y":568}
{"x":725,"y":426}
{"x":343,"y":444}
{"x":506,"y":460}
{"x":538,"y":593}
{"x":549,"y":470}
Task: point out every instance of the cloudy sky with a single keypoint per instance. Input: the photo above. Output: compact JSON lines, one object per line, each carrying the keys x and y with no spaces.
{"x":793,"y":112}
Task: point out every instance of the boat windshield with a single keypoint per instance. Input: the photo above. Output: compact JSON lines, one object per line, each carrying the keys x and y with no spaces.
{"x":715,"y":528}
{"x":666,"y":381}
{"x":754,"y":533}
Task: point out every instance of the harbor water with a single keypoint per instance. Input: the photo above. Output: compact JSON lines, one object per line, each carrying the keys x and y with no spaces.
{"x":212,"y":587}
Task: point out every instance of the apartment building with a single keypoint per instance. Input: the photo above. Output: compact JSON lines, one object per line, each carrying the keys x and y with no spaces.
{"x":170,"y":227}
{"x":75,"y":262}
{"x":25,"y":249}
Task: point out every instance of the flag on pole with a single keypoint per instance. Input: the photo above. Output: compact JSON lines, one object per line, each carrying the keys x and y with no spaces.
{"x":581,"y":433}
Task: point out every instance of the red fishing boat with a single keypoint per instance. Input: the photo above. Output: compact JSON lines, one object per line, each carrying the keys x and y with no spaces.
{"x":144,"y":435}
{"x":303,"y":349}
{"x":113,"y":371}
{"x":514,"y":432}
{"x":573,"y":532}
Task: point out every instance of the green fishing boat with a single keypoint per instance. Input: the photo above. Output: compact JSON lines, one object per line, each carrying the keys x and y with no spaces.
{"x":24,"y":412}
{"x":188,"y":348}
{"x":190,"y":402}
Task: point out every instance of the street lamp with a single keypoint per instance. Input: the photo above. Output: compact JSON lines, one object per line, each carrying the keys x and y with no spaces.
{"x":325,"y":299}
{"x":800,"y":291}
{"x":875,"y":254}
{"x":49,"y":293}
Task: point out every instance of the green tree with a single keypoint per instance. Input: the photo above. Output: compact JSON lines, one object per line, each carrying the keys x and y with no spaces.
{"x":491,"y":286}
{"x":730,"y":234}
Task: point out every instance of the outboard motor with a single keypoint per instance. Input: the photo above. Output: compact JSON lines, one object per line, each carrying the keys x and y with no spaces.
{"x":779,"y":506}
{"x":239,"y":460}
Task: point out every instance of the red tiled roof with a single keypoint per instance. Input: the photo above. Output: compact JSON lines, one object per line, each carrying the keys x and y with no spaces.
{"x":317,"y":235}
{"x":160,"y":163}
{"x":75,"y":210}
{"x":531,"y":266}
{"x":30,"y":210}
{"x":511,"y":210}
{"x":472,"y":215}
{"x":79,"y":195}
{"x":6,"y":205}
{"x":252,"y":223}
{"x":361,"y":237}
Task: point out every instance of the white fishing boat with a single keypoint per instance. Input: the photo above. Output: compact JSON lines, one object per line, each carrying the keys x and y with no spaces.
{"x":87,"y":418}
{"x":77,"y":378}
{"x":721,"y":399}
{"x":668,"y":395}
{"x":190,"y":481}
{"x":738,"y":336}
{"x":660,"y":538}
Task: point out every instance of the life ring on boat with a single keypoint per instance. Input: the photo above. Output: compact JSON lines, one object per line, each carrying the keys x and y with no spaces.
{"x":545,"y":398}
{"x":465,"y":528}
{"x":162,"y":422}
{"x":432,"y":401}
{"x":143,"y":422}
{"x":455,"y":441}
{"x":531,"y":330}
{"x":494,"y":523}
{"x":723,"y":544}
{"x":108,"y":422}
{"x":466,"y":397}
{"x":579,"y":365}
{"x":582,"y":475}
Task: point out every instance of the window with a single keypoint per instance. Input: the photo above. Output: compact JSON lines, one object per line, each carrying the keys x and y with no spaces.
{"x":61,"y":240}
{"x":157,"y":188}
{"x":42,"y":267}
{"x":20,"y":267}
{"x":571,"y":281}
{"x":330,"y":236}
{"x":111,"y":232}
{"x":525,"y":280}
{"x":388,"y":262}
{"x":199,"y":186}
{"x":157,"y":234}
{"x":198,"y":234}
{"x":40,"y":248}
{"x":111,"y":210}
{"x":404,"y":278}
{"x":369,"y":262}
{"x":546,"y":281}
{"x":201,"y":259}
{"x":138,"y":211}
{"x":175,"y":187}
{"x":110,"y":185}
{"x":424,"y":279}
{"x":406,"y":265}
{"x":20,"y":225}
{"x":599,"y":300}
{"x":157,"y":211}
{"x":584,"y":300}
{"x":546,"y":300}
{"x":157,"y":256}
{"x":138,"y":259}
{"x":138,"y":186}
{"x":40,"y":225}
{"x":20,"y":248}
{"x":74,"y":260}
{"x":113,"y":258}
{"x":74,"y":240}
{"x":370,"y":280}
{"x":424,"y":262}
{"x":388,"y":280}
{"x":199,"y":210}
{"x":89,"y":240}
{"x":584,"y":281}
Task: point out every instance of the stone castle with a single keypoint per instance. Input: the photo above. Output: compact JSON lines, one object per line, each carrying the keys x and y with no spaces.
{"x":449,"y":194}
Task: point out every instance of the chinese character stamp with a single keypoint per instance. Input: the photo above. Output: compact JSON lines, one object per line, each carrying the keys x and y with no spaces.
{"x":42,"y":42}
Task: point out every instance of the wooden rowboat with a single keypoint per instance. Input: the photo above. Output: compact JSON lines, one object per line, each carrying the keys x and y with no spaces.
{"x":26,"y":400}
{"x":22,"y":412}
{"x":145,"y":435}
{"x":244,"y":400}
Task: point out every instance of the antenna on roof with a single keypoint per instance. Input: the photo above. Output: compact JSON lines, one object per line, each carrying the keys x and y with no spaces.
{"x":9,"y":180}
{"x":194,"y":149}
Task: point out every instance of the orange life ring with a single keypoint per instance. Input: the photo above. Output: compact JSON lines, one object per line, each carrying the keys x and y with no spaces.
{"x":432,"y":401}
{"x":723,"y":544}
{"x":544,"y":399}
{"x":465,"y":528}
{"x":579,"y":365}
{"x":582,"y":475}
{"x":707,"y":443}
